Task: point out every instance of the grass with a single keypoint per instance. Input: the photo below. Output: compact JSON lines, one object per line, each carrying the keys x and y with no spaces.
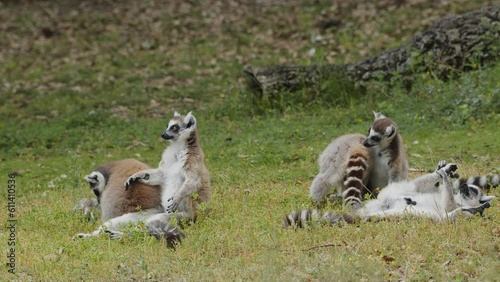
{"x":104,"y":85}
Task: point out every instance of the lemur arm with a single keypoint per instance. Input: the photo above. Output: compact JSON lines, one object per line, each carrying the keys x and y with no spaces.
{"x":427,"y":183}
{"x":151,"y":177}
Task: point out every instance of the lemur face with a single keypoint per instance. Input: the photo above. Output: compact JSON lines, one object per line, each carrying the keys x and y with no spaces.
{"x":97,"y":182}
{"x":179,"y":127}
{"x":472,"y":195}
{"x":381,"y":132}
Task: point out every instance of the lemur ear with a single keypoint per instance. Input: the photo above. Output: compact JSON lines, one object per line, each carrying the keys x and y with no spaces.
{"x":189,"y":120}
{"x":390,"y":131}
{"x":176,"y":114}
{"x":378,"y":115}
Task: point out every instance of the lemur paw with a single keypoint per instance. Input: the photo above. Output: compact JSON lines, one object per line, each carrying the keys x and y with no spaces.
{"x":448,"y":170}
{"x":479,"y":209}
{"x":410,"y":202}
{"x":129,"y":181}
{"x":173,"y":205}
{"x":135,"y":178}
{"x":114,"y":234}
{"x":81,"y":235}
{"x":441,"y":164}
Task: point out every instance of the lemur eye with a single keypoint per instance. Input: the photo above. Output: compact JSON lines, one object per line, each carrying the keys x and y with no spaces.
{"x":375,"y":138}
{"x":174,"y":128}
{"x":474,"y":192}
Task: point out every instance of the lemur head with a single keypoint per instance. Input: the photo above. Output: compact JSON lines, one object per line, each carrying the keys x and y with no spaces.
{"x":179,"y":127}
{"x":472,"y":195}
{"x":382,"y":131}
{"x":97,"y":182}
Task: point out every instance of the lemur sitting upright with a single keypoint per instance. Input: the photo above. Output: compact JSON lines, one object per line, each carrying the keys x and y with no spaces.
{"x":356,"y":164}
{"x":182,"y":176}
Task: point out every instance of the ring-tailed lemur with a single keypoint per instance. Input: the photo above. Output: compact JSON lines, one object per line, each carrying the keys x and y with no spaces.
{"x":430,"y":195}
{"x":356,"y":164}
{"x":106,"y":182}
{"x":182,"y":175}
{"x":140,"y":200}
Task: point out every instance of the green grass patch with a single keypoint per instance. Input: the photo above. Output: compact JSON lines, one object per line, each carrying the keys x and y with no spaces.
{"x":104,"y":85}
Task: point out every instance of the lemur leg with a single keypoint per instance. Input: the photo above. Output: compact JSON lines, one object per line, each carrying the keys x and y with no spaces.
{"x":113,"y":225}
{"x":429,"y":183}
{"x":479,"y":209}
{"x":167,"y":216}
{"x":152,"y":177}
{"x":188,"y":188}
{"x":383,"y":214}
{"x":449,"y":204}
{"x":320,"y":187}
{"x":467,"y":211}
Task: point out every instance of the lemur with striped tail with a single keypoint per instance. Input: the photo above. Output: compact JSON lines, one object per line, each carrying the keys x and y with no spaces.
{"x":356,"y":164}
{"x":430,"y":195}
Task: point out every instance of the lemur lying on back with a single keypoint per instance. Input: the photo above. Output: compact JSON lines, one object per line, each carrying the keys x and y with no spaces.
{"x":181,"y":183}
{"x":106,"y":183}
{"x":356,"y":164}
{"x":430,"y":195}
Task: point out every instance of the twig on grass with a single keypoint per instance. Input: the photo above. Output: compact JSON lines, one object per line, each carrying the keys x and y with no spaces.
{"x":326,"y":245}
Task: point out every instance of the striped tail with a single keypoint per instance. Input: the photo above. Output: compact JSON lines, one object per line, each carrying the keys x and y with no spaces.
{"x":302,"y":218}
{"x":354,"y":186}
{"x":163,"y":229}
{"x":484,"y":182}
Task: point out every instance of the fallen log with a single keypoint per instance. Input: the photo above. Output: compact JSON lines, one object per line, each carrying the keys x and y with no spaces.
{"x":450,"y":45}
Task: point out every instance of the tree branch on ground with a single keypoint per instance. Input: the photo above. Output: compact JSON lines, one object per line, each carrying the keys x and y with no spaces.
{"x":451,"y":45}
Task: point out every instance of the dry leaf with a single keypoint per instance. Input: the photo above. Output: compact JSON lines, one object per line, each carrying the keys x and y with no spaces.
{"x":388,"y":259}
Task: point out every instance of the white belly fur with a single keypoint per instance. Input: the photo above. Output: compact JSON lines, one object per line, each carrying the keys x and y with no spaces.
{"x":172,"y":166}
{"x":380,"y":172}
{"x":391,"y":201}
